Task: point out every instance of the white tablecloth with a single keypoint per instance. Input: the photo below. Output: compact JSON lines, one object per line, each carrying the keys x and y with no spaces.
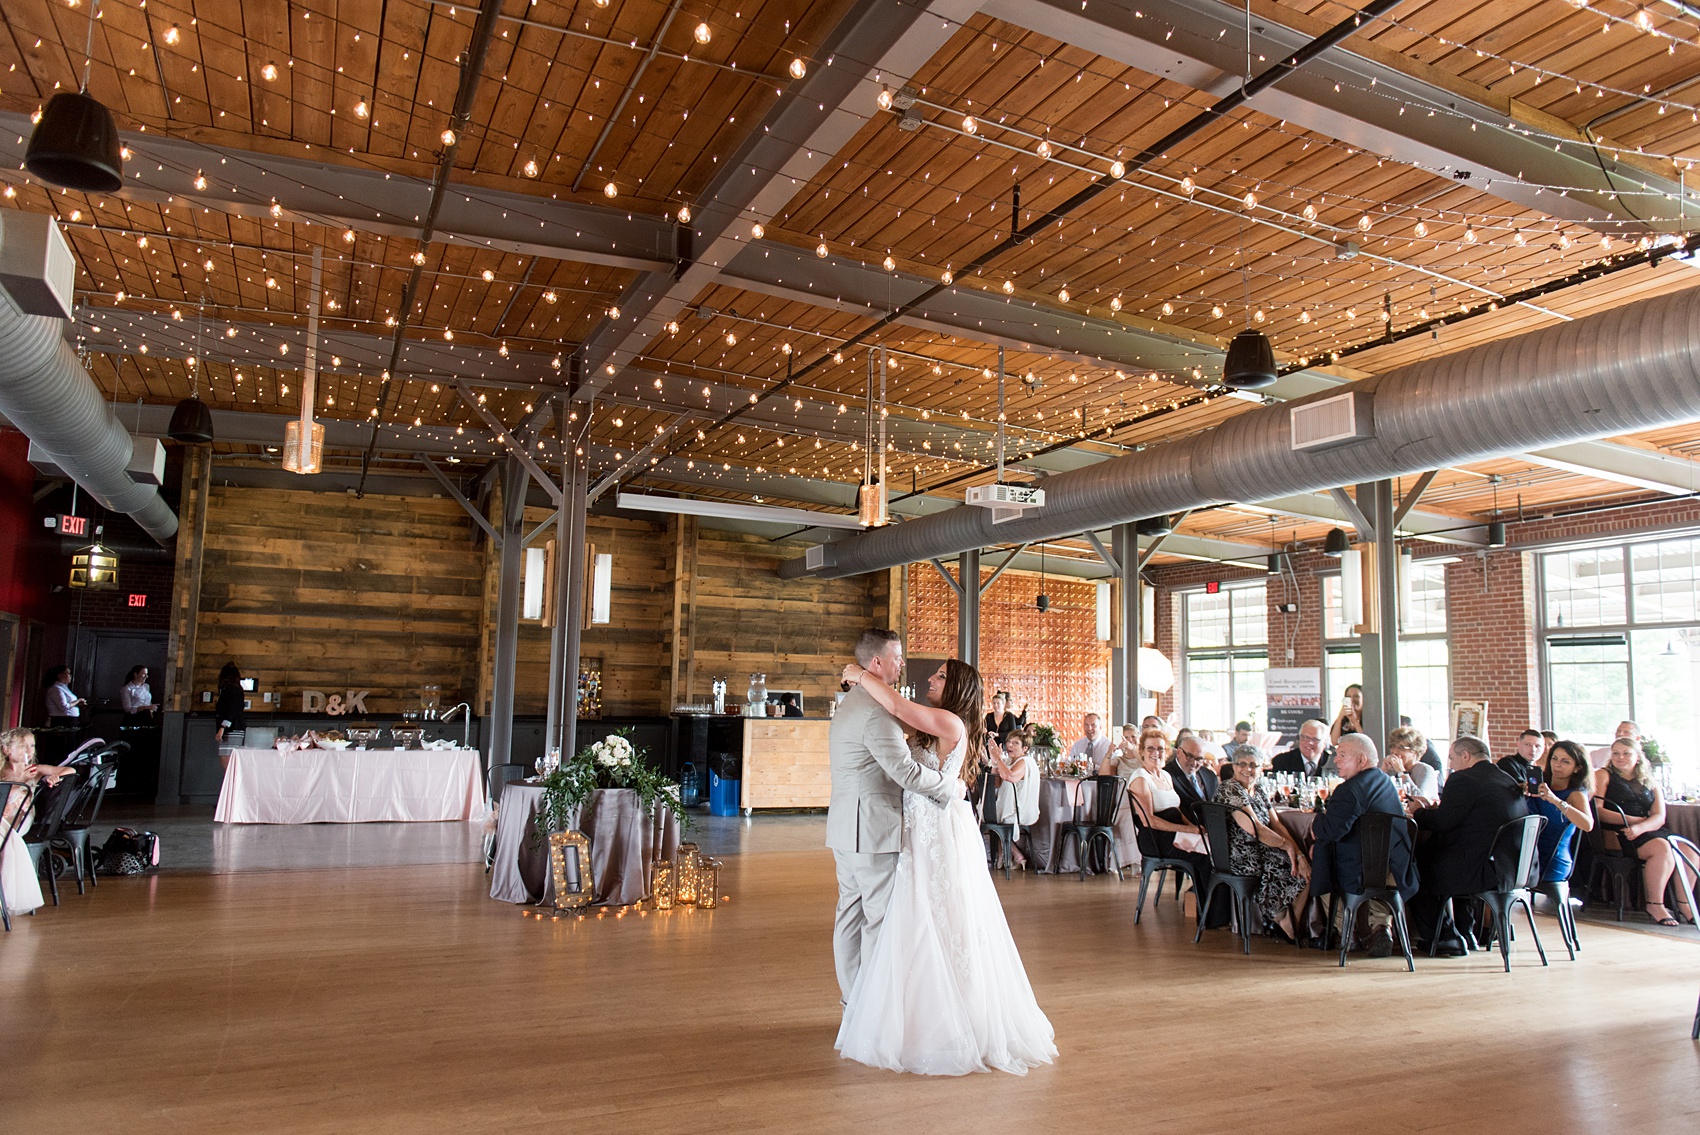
{"x":323,"y":786}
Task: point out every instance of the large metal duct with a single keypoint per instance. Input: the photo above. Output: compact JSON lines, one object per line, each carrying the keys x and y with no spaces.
{"x":46,"y":393}
{"x":1636,"y":367}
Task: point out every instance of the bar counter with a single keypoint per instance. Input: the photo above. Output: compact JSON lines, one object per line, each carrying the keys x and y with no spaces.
{"x":785,"y":763}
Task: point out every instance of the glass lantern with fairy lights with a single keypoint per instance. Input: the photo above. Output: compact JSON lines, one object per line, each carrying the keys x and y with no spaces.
{"x":693,"y":879}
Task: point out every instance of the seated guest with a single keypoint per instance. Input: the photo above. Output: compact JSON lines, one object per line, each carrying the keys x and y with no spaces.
{"x":1405,"y":747}
{"x":1457,"y":857}
{"x":1310,"y":756}
{"x":1123,"y":759}
{"x":1528,"y":763}
{"x":1192,"y":779}
{"x":1000,"y":723}
{"x":1562,"y":797}
{"x":1152,"y":721}
{"x":1626,"y":783}
{"x":1261,"y":847}
{"x":1337,"y":856}
{"x":1094,"y":746}
{"x":1241,"y":740}
{"x":789,"y":701}
{"x":1550,"y":738}
{"x":1430,"y":757}
{"x":1165,"y":830}
{"x":18,"y":877}
{"x":1350,"y":719}
{"x":1018,"y":780}
{"x":1599,"y":757}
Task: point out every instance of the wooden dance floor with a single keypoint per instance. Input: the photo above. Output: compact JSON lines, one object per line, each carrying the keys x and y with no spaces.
{"x":401,"y":999}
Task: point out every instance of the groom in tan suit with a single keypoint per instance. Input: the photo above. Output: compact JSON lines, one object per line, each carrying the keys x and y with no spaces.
{"x":871,"y":769}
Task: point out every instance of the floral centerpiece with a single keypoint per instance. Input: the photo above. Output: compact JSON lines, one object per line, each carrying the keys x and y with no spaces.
{"x":1045,"y":747}
{"x":613,"y":762}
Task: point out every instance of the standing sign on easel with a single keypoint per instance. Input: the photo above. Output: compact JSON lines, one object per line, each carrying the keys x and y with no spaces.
{"x":1294,"y":696}
{"x":1469,"y":719}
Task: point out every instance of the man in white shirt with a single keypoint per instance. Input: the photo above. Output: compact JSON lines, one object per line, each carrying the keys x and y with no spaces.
{"x":1094,"y":746}
{"x":61,"y":702}
{"x":1600,"y":756}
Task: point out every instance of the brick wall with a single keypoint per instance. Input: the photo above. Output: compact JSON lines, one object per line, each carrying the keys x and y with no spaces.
{"x":111,"y":609}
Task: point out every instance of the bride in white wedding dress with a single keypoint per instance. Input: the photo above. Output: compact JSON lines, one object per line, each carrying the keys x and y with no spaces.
{"x":943,"y":991}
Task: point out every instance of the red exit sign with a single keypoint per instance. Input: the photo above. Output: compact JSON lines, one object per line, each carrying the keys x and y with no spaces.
{"x":138,"y":600}
{"x":73,"y":525}
{"x":1212,"y":588}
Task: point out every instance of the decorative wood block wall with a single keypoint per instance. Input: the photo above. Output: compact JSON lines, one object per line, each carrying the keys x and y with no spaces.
{"x":323,"y":591}
{"x":1051,"y":660}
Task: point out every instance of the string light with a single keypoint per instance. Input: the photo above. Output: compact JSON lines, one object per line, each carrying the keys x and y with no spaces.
{"x":703,"y":33}
{"x":172,"y":35}
{"x":269,"y":72}
{"x":610,"y":190}
{"x":969,"y":126}
{"x":530,"y":167}
{"x":798,"y":69}
{"x":360,"y":110}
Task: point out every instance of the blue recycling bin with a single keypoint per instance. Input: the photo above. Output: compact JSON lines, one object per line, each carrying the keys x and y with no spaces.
{"x":722,"y":795}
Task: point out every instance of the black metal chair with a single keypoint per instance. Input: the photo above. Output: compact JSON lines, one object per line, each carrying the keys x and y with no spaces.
{"x":1153,"y":866}
{"x":1218,"y":819}
{"x":21,"y":817}
{"x":1517,"y":865}
{"x":1559,"y":892}
{"x":1106,"y":804}
{"x":999,"y":837}
{"x":50,"y":817}
{"x":1375,"y":847}
{"x":1619,"y":864}
{"x":97,"y":772}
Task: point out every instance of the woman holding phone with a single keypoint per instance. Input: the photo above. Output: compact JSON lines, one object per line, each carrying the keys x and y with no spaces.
{"x":1560,"y":793}
{"x":1350,"y":719}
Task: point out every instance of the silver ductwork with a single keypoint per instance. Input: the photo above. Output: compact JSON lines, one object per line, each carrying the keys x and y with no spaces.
{"x":1633,"y":368}
{"x":46,"y":393}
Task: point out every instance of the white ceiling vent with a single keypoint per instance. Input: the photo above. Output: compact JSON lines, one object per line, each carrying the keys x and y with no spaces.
{"x":1328,"y":422}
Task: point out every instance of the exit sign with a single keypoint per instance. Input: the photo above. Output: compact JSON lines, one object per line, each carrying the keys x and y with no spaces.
{"x":138,"y":600}
{"x":73,"y":525}
{"x":1212,"y":588}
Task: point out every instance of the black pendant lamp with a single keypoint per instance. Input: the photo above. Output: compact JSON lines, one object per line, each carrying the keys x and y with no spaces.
{"x":191,"y":422}
{"x":75,"y":144}
{"x":1336,"y":543}
{"x":1044,"y":601}
{"x":1250,"y":364}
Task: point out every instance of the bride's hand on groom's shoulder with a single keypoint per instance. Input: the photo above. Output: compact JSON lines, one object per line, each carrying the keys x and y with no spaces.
{"x":853,"y":674}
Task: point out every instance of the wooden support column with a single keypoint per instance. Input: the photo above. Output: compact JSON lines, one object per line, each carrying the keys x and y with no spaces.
{"x":1124,"y":696}
{"x":186,"y":585}
{"x":575,"y":484}
{"x":968,"y":607}
{"x":680,"y":663}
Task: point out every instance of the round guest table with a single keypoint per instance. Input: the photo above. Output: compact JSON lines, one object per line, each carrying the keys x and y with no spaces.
{"x":624,"y":844}
{"x":1061,"y":804}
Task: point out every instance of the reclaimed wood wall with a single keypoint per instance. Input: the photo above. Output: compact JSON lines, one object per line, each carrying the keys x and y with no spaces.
{"x":322,"y":591}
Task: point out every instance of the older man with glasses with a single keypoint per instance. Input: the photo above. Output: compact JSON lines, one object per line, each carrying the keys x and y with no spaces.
{"x":1310,"y":756}
{"x":1337,"y":859}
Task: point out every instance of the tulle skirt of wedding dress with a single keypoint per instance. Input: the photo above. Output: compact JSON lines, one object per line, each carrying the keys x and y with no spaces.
{"x":943,"y":992}
{"x":17,"y":876}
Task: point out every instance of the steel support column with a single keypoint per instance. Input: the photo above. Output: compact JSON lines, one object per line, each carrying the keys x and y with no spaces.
{"x":968,"y":607}
{"x":562,"y":582}
{"x":576,"y":489}
{"x":1124,"y":660}
{"x":515,"y":482}
{"x":1380,"y":647}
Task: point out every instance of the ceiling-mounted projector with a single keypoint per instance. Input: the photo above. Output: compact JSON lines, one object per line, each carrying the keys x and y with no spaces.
{"x":1007,"y":502}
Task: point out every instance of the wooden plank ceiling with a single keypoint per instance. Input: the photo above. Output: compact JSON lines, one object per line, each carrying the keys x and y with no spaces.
{"x":1239,"y":226}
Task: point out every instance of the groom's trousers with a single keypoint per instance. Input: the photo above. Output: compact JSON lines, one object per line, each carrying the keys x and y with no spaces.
{"x":864,"y":890}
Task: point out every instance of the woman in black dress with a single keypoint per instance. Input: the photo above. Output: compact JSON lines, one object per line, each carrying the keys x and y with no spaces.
{"x":1000,"y":722}
{"x":230,"y":712}
{"x":1634,"y":808}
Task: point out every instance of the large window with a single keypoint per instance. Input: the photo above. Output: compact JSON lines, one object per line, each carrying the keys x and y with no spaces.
{"x":1425,"y":672}
{"x":1622,"y":632}
{"x":1225,"y":640}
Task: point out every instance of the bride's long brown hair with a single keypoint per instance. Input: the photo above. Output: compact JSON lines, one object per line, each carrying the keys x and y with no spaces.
{"x":965,"y":696}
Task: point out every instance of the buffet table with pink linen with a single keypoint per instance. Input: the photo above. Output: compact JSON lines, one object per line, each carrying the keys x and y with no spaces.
{"x":350,"y":786}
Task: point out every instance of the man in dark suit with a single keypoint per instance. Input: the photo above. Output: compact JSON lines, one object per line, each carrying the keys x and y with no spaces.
{"x":1337,"y":858}
{"x":1190,"y":769}
{"x":1455,"y":858}
{"x":1310,"y":756}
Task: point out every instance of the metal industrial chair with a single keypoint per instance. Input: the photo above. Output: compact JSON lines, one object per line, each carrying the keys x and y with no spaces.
{"x":1611,"y":859}
{"x":50,"y":817}
{"x":1218,"y":819}
{"x":1107,"y":795}
{"x":18,"y":820}
{"x":999,"y":837}
{"x":1375,"y":847}
{"x":1687,"y":853}
{"x":1517,"y":865}
{"x":1559,"y":892}
{"x":97,"y":771}
{"x":1154,"y":865}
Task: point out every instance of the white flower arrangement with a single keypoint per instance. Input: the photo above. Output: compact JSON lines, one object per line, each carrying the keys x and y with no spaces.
{"x":614,"y":752}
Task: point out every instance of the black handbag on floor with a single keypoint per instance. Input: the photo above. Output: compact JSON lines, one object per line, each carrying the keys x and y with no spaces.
{"x":128,"y":851}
